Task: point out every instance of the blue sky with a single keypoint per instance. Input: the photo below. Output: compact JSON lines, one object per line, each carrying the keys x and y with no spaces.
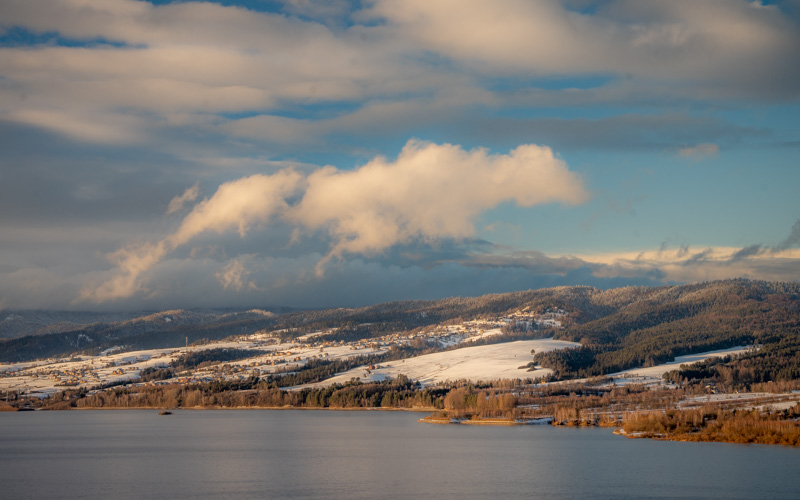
{"x":305,"y":153}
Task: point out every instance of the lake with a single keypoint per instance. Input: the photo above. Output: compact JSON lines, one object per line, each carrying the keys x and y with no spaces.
{"x":139,"y":454}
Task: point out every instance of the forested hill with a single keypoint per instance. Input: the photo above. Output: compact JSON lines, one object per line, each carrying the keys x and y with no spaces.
{"x":619,"y":328}
{"x":647,"y":326}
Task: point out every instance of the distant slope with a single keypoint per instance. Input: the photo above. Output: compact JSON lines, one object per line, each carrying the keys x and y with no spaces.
{"x":18,"y":323}
{"x":164,"y":329}
{"x":619,"y":329}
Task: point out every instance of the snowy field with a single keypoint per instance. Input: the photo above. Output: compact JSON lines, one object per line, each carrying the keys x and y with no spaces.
{"x":45,"y":377}
{"x":748,"y":400}
{"x":653,"y":374}
{"x":489,"y":362}
{"x":487,"y":333}
{"x":113,"y":366}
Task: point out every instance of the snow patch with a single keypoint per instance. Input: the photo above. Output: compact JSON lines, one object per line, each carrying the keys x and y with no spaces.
{"x":490,"y":362}
{"x":654,"y":374}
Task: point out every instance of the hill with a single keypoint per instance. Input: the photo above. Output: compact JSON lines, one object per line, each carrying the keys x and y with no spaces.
{"x":617,"y":329}
{"x":648,"y":326}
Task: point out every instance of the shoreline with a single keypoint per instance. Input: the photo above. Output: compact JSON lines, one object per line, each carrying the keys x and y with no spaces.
{"x":238,"y":408}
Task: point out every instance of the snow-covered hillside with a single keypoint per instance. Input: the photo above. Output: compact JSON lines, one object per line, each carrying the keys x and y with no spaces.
{"x":489,"y":362}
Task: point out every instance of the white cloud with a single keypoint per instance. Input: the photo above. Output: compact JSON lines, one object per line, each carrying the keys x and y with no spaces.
{"x":680,"y":265}
{"x":700,"y":151}
{"x":188,"y":58}
{"x":177,"y":203}
{"x":234,"y":276}
{"x":240,"y":205}
{"x":735,"y":44}
{"x":430,"y":192}
{"x":131,"y":263}
{"x":693,"y":264}
{"x":237,"y":205}
{"x":195,"y":58}
{"x":101,"y":128}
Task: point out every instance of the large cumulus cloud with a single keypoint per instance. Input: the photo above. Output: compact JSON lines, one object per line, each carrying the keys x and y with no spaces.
{"x":430,"y":192}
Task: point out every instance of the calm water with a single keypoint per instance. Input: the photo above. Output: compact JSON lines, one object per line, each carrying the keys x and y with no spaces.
{"x":363,"y":455}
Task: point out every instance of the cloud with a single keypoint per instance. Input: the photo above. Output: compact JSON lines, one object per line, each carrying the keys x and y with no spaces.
{"x":233,"y":276}
{"x":792,"y":240}
{"x":429,"y":193}
{"x":191,"y":64}
{"x":237,"y":205}
{"x":627,"y":132}
{"x":446,"y":268}
{"x":193,"y":58}
{"x":693,"y":264}
{"x":131,"y":263}
{"x":329,"y":12}
{"x":101,"y":128}
{"x":458,"y":118}
{"x":177,"y":203}
{"x":240,"y":205}
{"x":664,"y":265}
{"x":530,"y":260}
{"x":738,"y":46}
{"x":699,"y":151}
{"x":745,"y":252}
{"x":267,"y":281}
{"x":108,"y":110}
{"x":776,"y":252}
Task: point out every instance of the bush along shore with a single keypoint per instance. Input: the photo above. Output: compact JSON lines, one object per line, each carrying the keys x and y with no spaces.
{"x":715,"y":424}
{"x":675,"y":413}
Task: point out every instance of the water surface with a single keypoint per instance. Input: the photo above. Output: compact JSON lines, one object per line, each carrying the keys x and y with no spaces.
{"x":363,"y":455}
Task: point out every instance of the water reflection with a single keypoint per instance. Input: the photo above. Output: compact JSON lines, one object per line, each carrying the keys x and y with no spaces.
{"x":329,"y":454}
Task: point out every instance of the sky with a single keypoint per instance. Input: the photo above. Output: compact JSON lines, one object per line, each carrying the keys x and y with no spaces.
{"x":308,"y":153}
